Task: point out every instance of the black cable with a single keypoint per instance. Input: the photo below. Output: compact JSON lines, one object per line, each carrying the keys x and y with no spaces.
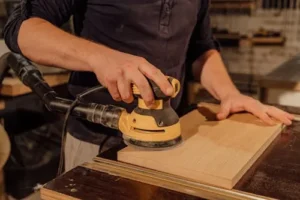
{"x":64,"y":129}
{"x":103,"y":143}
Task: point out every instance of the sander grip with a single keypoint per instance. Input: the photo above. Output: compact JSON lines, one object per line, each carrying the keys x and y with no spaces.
{"x":157,"y":92}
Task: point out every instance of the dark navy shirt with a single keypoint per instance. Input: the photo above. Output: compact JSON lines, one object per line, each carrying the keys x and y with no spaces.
{"x":170,"y":34}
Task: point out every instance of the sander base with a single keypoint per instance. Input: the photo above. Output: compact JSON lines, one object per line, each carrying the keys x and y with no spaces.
{"x":153,"y":145}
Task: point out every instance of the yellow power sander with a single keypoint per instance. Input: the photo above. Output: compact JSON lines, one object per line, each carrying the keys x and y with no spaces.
{"x":156,"y":128}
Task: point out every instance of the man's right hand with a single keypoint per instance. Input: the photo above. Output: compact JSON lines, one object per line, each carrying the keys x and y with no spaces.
{"x":117,"y":70}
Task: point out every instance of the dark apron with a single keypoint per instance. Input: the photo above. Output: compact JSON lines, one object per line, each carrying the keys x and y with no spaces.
{"x":158,"y":30}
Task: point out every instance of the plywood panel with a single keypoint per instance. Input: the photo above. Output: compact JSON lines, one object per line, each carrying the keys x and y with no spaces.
{"x":213,"y":152}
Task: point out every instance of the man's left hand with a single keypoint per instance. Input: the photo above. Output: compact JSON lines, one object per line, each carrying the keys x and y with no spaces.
{"x":239,"y":102}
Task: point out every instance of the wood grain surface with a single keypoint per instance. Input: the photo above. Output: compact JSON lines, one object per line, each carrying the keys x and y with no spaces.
{"x":213,"y":152}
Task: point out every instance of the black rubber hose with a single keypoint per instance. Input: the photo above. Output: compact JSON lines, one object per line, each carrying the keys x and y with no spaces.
{"x":3,"y":66}
{"x":29,"y":74}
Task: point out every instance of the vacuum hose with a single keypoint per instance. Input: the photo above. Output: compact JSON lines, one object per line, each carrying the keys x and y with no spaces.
{"x":106,"y":115}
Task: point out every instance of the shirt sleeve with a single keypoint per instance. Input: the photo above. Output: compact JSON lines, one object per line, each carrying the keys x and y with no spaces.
{"x":56,"y":12}
{"x":202,"y":38}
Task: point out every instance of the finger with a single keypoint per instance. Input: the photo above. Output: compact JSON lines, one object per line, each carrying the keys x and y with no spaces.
{"x":125,"y":89}
{"x":113,"y":90}
{"x":237,"y":109}
{"x":260,"y":112}
{"x":265,"y":118}
{"x":224,"y":111}
{"x":144,"y":87}
{"x":158,"y":77}
{"x":290,"y":116}
{"x":279,"y":115}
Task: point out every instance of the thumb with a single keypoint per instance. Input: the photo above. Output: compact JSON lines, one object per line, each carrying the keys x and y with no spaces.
{"x":224,"y":111}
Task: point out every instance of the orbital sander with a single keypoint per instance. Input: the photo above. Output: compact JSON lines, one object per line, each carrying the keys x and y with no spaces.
{"x":154,"y":128}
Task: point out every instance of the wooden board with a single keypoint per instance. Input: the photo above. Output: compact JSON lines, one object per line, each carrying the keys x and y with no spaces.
{"x":213,"y":152}
{"x":14,"y":87}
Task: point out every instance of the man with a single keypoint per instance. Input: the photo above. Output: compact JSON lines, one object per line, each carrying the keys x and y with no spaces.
{"x":120,"y":42}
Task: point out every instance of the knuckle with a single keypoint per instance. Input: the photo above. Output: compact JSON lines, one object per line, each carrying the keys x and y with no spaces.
{"x":119,"y":72}
{"x":142,"y":60}
{"x":252,"y":102}
{"x":126,"y":96}
{"x":141,"y":83}
{"x":113,"y":92}
{"x":109,"y":79}
{"x":146,"y":93}
{"x":144,"y":88}
{"x":116,"y":97}
{"x":267,"y":119}
{"x":156,"y":71}
{"x":264,"y":117}
{"x":128,"y":100}
{"x":130,"y":68}
{"x":148,"y":97}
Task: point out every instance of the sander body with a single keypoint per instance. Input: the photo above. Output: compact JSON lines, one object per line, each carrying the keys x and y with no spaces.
{"x":155,"y":128}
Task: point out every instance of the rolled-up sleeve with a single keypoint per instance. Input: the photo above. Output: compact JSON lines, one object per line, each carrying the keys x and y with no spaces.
{"x":56,"y":12}
{"x":202,"y":38}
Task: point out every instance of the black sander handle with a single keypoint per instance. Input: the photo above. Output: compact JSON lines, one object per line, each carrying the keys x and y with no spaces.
{"x":157,"y":92}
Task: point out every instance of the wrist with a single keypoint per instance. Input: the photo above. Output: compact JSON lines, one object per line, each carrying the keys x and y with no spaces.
{"x":225,"y":92}
{"x":97,"y":56}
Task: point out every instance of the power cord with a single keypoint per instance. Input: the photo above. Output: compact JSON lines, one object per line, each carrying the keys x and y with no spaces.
{"x":64,"y":129}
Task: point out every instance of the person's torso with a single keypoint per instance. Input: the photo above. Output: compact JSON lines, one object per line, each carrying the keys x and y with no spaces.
{"x":158,"y":30}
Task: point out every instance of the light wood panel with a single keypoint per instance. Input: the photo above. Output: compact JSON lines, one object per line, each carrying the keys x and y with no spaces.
{"x":213,"y":152}
{"x":14,"y":87}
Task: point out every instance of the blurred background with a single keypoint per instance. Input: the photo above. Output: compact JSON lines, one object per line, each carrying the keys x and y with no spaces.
{"x":260,"y":43}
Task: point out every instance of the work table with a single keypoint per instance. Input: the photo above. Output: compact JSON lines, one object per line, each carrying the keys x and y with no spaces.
{"x":275,"y":175}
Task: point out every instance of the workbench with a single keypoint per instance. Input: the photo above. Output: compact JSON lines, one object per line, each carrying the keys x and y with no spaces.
{"x":276,"y":174}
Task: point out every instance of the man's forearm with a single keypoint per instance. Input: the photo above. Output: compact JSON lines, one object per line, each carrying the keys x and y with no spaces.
{"x":213,"y":75}
{"x":46,"y":44}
